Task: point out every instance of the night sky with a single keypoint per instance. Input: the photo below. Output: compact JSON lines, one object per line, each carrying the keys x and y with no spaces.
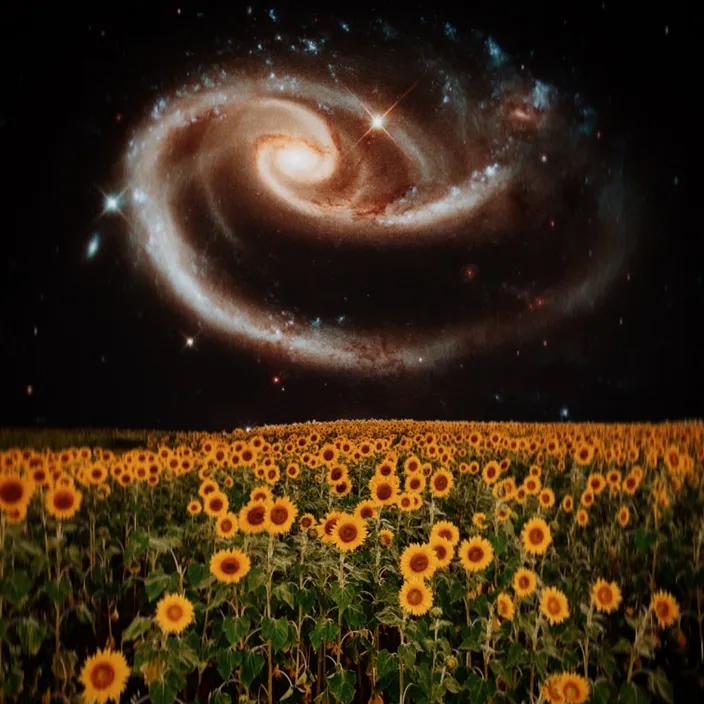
{"x":91,"y":334}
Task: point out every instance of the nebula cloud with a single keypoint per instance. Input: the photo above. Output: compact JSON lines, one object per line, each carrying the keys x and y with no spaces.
{"x":260,"y":171}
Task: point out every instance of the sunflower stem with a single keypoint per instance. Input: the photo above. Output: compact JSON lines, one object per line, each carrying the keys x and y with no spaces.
{"x":400,"y":664}
{"x":341,"y":579}
{"x":58,"y":585}
{"x":270,"y":570}
{"x":586,"y":641}
{"x":636,"y":642}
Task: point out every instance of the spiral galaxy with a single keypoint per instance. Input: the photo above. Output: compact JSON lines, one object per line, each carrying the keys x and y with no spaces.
{"x":268,"y":191}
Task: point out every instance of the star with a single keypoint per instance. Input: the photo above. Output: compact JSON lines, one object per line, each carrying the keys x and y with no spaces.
{"x":112,"y":203}
{"x":378,"y":122}
{"x":93,"y":246}
{"x":190,"y":342}
{"x":564,"y":413}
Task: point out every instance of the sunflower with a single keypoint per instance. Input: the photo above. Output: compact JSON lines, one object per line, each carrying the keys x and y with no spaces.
{"x":349,"y":533}
{"x":329,"y":454}
{"x":174,"y":613}
{"x":491,"y":472}
{"x":293,"y":470}
{"x":524,"y":582}
{"x":194,"y":507}
{"x":280,"y":516}
{"x":411,"y":465}
{"x":536,"y":536}
{"x":554,"y":606}
{"x":365,"y":510}
{"x":478,"y":519}
{"x":307,"y":521}
{"x":386,"y":537}
{"x":547,"y":498}
{"x":384,"y":489}
{"x":216,"y":503}
{"x":551,"y":690}
{"x":587,"y":498}
{"x":230,"y":566}
{"x":624,"y":515}
{"x":104,"y":676}
{"x":226,"y":525}
{"x":262,"y":494}
{"x":272,"y":475}
{"x":630,"y":484}
{"x":665,"y":608}
{"x":444,"y":550}
{"x":207,"y":487}
{"x":97,"y":474}
{"x":441,"y":483}
{"x":476,"y":554}
{"x":573,"y":688}
{"x":15,"y":491}
{"x":584,"y":455}
{"x":532,"y":485}
{"x":567,"y":504}
{"x":582,"y":518}
{"x":447,"y":530}
{"x":342,"y":488}
{"x":415,"y":483}
{"x":596,"y":483}
{"x":63,"y":503}
{"x":336,"y":474}
{"x":418,"y":562}
{"x":606,"y":596}
{"x":505,"y":607}
{"x":326,"y":527}
{"x":14,"y":516}
{"x":415,"y":598}
{"x":252,"y":517}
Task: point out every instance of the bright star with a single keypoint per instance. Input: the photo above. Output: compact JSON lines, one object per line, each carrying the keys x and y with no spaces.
{"x":378,"y":122}
{"x":112,"y":203}
{"x":564,"y":412}
{"x":190,"y":342}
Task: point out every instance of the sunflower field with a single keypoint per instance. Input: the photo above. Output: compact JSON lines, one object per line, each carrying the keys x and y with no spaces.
{"x":357,"y":561}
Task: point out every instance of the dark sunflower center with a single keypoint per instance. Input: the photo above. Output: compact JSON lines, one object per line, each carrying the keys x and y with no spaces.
{"x":605,"y":595}
{"x":475,"y":554}
{"x":348,"y":533}
{"x":230,"y":565}
{"x":305,"y":522}
{"x":336,"y":474}
{"x":523,"y":582}
{"x":536,"y":536}
{"x":174,"y":612}
{"x":102,"y":675}
{"x":441,"y":482}
{"x":256,"y":515}
{"x":419,"y":563}
{"x":216,"y":504}
{"x":440,"y":551}
{"x":553,"y":606}
{"x":384,"y":492}
{"x":226,"y":526}
{"x":329,"y":525}
{"x":662,"y":609}
{"x":279,"y":515}
{"x":63,"y":500}
{"x":366,"y":512}
{"x":208,"y":490}
{"x":446,"y":534}
{"x":328,"y":455}
{"x":570,"y":691}
{"x":12,"y":491}
{"x":415,"y":484}
{"x":415,"y":597}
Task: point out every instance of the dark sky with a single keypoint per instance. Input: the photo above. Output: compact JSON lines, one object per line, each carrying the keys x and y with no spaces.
{"x":93,"y":341}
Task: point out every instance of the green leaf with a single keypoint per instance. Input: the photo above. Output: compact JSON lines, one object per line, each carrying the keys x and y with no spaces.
{"x":452,"y":685}
{"x":341,"y":686}
{"x":660,"y":685}
{"x":220,"y":597}
{"x":499,"y":543}
{"x":58,"y":593}
{"x":623,"y":646}
{"x":165,"y":543}
{"x":137,"y":628}
{"x":307,"y":598}
{"x":15,"y":587}
{"x":252,"y":665}
{"x":162,"y":692}
{"x":643,"y":539}
{"x":289,"y":693}
{"x":32,"y":634}
{"x":480,"y":690}
{"x":355,"y":617}
{"x":182,"y":656}
{"x":196,"y":573}
{"x":156,"y":584}
{"x":219,"y":698}
{"x":386,"y":664}
{"x":227,"y":659}
{"x":407,"y":655}
{"x":284,"y":593}
{"x":515,"y":655}
{"x":342,"y":596}
{"x":85,"y":615}
{"x":325,"y":629}
{"x":276,"y":631}
{"x":633,"y":694}
{"x":255,"y":579}
{"x":136,"y":546}
{"x":603,"y":692}
{"x":236,"y":629}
